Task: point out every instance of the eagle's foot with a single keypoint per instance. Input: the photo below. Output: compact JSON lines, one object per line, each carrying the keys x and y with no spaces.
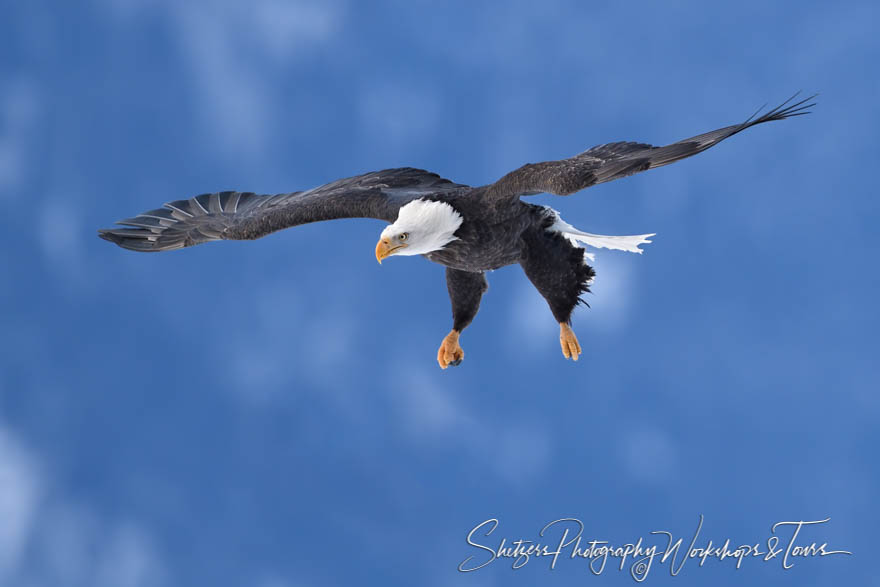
{"x":571,"y":348}
{"x":450,"y":352}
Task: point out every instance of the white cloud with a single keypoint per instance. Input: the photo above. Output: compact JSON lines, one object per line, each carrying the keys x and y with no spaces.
{"x":532,"y":324}
{"x":66,"y":552}
{"x":648,"y":453}
{"x":20,"y":490}
{"x":273,"y":580}
{"x":47,"y":540}
{"x":12,"y":164}
{"x":19,"y":106}
{"x":258,"y":373}
{"x":259,"y":364}
{"x":227,"y":45}
{"x":396,"y":116}
{"x":336,"y":330}
{"x":60,"y":235}
{"x":514,"y":134}
{"x":507,"y":38}
{"x":128,"y":560}
{"x":431,"y":415}
{"x":126,"y":10}
{"x":284,"y":26}
{"x":235,"y":53}
{"x":612,"y":292}
{"x":519,"y":452}
{"x":236,"y":103}
{"x":666,"y":193}
{"x":287,"y":344}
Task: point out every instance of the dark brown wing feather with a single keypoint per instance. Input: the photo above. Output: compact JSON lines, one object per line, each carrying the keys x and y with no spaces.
{"x":616,"y":160}
{"x":244,"y":215}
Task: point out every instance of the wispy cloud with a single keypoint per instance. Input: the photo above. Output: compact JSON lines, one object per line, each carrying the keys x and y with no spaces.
{"x":285,"y":325}
{"x":397,"y":116}
{"x":236,"y":53}
{"x":648,"y":453}
{"x":270,"y":581}
{"x":612,"y":292}
{"x":532,"y":324}
{"x":129,"y":559}
{"x":60,"y":234}
{"x":432,"y":415}
{"x":282,"y":27}
{"x":19,"y":106}
{"x":47,"y":540}
{"x":20,"y":492}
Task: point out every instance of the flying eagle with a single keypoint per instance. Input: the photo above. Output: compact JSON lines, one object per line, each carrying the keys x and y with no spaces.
{"x":470,"y":230}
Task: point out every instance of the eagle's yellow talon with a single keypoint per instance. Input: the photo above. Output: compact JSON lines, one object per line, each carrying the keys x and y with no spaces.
{"x":450,"y":352}
{"x":571,"y":348}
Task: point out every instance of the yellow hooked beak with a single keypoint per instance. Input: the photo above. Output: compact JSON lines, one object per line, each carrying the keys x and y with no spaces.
{"x":385,"y":249}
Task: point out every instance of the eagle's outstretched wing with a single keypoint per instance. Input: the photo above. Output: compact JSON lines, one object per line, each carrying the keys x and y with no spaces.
{"x":615,"y":160}
{"x":244,"y":215}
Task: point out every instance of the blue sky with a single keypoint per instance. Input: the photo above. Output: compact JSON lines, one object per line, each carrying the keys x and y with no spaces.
{"x":270,"y":413}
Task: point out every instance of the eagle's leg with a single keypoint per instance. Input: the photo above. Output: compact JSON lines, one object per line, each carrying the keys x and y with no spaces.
{"x":450,"y":352}
{"x":571,"y":348}
{"x":557,"y":270}
{"x":466,"y":289}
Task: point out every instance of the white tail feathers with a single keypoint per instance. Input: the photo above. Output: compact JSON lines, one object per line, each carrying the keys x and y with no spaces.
{"x":628,"y":243}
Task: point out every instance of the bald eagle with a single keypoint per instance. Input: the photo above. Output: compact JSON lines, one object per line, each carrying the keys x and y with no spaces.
{"x":470,"y":230}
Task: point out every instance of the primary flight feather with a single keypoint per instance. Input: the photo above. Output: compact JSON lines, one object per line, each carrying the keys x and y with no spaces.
{"x":470,"y":230}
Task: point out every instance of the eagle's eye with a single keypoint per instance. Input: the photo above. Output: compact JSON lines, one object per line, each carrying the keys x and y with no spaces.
{"x":403,"y":236}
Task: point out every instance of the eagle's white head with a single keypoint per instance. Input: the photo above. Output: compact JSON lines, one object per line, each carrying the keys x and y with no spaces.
{"x":421,"y":227}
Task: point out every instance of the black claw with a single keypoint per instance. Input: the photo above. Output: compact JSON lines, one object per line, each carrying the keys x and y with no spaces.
{"x":455,"y":363}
